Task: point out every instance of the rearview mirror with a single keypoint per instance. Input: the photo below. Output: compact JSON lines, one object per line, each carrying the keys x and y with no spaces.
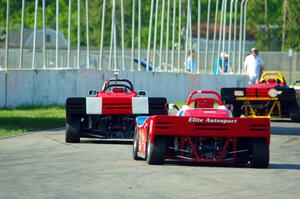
{"x":173,"y":106}
{"x":93,"y":93}
{"x":142,"y":93}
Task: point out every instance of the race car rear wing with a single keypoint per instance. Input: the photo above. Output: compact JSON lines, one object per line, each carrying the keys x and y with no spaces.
{"x":232,"y":94}
{"x":117,"y":106}
{"x":209,"y":127}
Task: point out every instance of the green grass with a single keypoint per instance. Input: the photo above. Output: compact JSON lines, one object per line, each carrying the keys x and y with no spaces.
{"x":180,"y":104}
{"x":30,"y":118}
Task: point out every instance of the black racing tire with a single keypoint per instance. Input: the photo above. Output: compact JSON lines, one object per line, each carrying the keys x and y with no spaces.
{"x":295,"y":117}
{"x":237,"y":112}
{"x":135,"y":145}
{"x":156,"y":151}
{"x":73,"y":131}
{"x":260,"y":154}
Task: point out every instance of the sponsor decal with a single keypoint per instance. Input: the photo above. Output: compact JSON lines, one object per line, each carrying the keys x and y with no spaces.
{"x":273,"y":92}
{"x":213,"y":120}
{"x":239,"y":93}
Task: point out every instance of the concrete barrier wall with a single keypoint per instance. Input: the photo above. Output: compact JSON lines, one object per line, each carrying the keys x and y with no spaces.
{"x":54,"y":86}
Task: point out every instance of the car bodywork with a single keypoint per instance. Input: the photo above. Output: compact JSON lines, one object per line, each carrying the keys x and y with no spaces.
{"x":270,"y":97}
{"x":206,"y":133}
{"x":110,"y":113}
{"x":296,"y":116}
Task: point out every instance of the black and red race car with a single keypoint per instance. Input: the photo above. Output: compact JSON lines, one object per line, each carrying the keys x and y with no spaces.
{"x":202,"y":131}
{"x":109,"y":113}
{"x":270,"y":97}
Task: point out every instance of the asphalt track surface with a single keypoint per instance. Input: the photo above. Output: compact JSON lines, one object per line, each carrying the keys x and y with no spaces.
{"x":41,"y":165}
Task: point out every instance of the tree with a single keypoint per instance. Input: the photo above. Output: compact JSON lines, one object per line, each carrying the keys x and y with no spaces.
{"x":293,"y":25}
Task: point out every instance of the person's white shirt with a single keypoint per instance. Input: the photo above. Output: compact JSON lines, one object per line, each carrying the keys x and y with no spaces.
{"x":253,"y":65}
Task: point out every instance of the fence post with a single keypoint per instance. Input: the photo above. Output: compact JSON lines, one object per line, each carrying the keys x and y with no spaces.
{"x":207,"y":35}
{"x":34,"y":33}
{"x":22,"y":35}
{"x":102,"y":34}
{"x":132,"y":34}
{"x":215,"y":35}
{"x":57,"y":34}
{"x":290,"y":54}
{"x":87,"y":33}
{"x":78,"y":34}
{"x":44,"y":35}
{"x":69,"y":33}
{"x":296,"y":64}
{"x":6,"y":52}
{"x":179,"y":36}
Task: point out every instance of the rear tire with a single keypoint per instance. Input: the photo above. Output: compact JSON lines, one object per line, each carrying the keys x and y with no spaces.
{"x":135,"y":145}
{"x":236,"y":112}
{"x":295,"y":117}
{"x":260,"y":154}
{"x":156,"y":151}
{"x":73,"y":131}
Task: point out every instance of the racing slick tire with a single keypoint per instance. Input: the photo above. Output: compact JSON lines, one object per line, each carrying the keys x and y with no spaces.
{"x":260,"y":154}
{"x":73,"y":131}
{"x":295,"y":117}
{"x":156,"y":151}
{"x":135,"y":145}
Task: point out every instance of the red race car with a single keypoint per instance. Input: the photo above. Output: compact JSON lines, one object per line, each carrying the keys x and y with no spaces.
{"x":270,"y":97}
{"x":109,"y":113}
{"x":202,"y":131}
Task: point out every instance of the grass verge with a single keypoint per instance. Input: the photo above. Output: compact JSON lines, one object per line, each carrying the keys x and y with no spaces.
{"x":30,"y":118}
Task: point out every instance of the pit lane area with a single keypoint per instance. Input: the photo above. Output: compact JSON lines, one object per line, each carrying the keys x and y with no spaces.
{"x":42,"y":165}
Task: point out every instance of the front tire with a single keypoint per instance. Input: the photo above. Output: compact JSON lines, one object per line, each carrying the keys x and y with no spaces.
{"x":135,"y":145}
{"x":156,"y":151}
{"x":73,"y":131}
{"x":260,"y":154}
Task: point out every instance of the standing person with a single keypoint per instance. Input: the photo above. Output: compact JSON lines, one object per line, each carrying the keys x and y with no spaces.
{"x":220,"y":62}
{"x":190,"y":62}
{"x":253,"y":66}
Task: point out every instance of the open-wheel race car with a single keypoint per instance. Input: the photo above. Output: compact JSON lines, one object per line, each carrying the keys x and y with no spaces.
{"x":270,"y":97}
{"x":202,"y":131}
{"x":109,"y":113}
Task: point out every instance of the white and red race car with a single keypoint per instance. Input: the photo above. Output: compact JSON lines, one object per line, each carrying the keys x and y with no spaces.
{"x":109,"y":113}
{"x":202,"y":131}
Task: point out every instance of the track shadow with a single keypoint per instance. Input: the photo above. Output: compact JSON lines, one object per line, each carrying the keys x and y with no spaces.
{"x":216,"y":165}
{"x":199,"y":164}
{"x":97,"y":141}
{"x":279,"y":130}
{"x":285,"y":120}
{"x":285,"y":166}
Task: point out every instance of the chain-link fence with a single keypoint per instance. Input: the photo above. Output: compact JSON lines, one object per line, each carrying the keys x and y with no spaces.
{"x":281,"y":61}
{"x":276,"y":61}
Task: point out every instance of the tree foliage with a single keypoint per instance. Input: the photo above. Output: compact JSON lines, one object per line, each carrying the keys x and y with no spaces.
{"x":293,"y":25}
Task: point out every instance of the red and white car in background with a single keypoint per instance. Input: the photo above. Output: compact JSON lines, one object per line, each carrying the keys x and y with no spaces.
{"x":109,"y":113}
